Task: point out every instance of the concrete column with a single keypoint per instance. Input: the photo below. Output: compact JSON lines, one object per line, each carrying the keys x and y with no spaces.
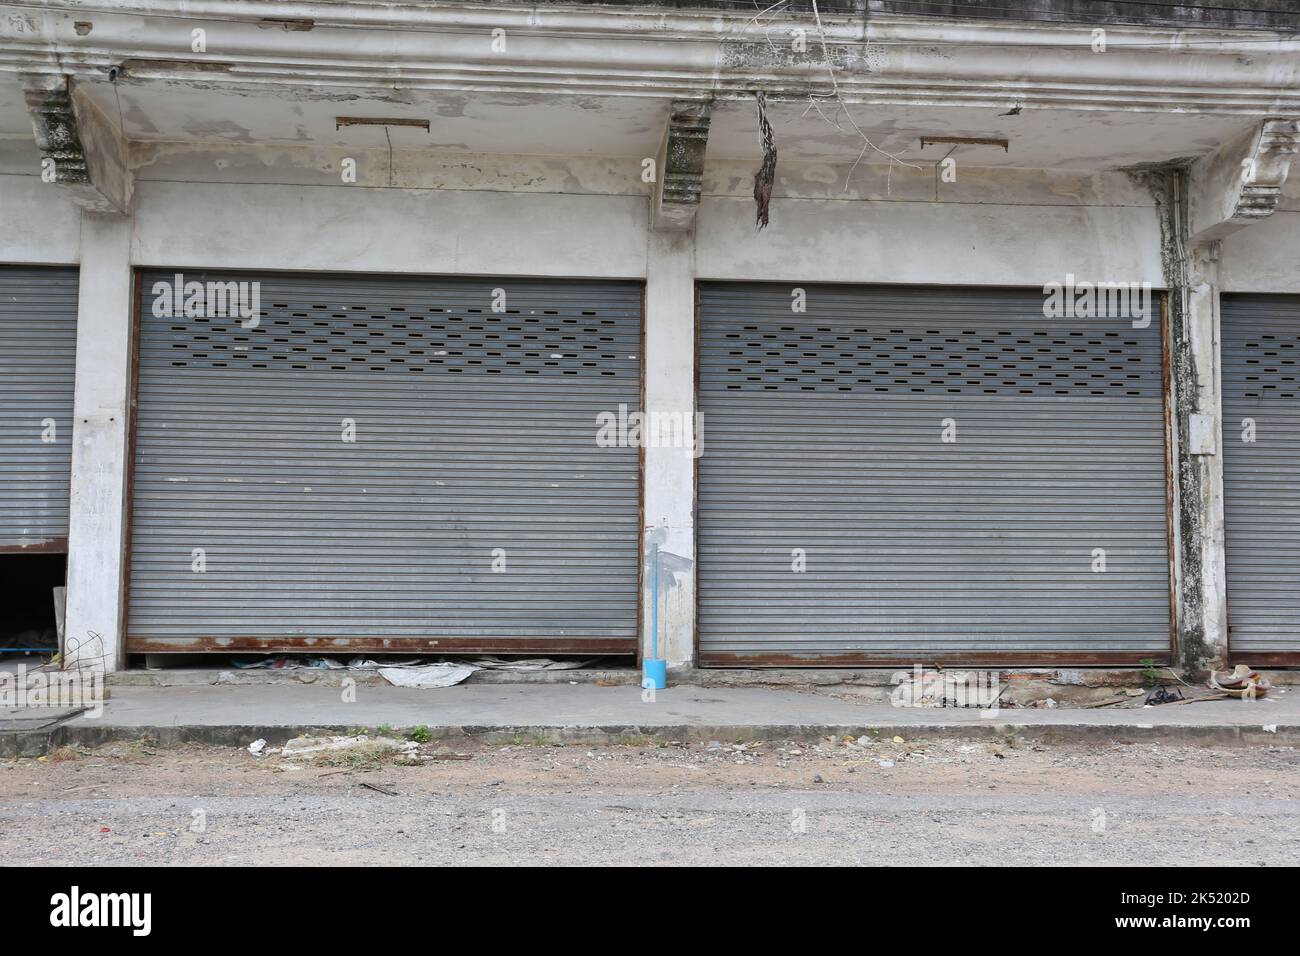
{"x":1198,"y":425}
{"x":101,"y":403}
{"x":1196,"y":410}
{"x":668,"y":491}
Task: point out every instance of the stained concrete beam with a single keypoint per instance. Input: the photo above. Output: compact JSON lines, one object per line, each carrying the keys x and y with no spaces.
{"x":680,"y":167}
{"x":82,"y":150}
{"x":1241,"y":182}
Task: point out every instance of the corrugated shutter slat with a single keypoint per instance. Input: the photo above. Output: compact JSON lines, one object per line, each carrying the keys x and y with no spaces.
{"x":38,"y":348}
{"x":1260,"y":352}
{"x":475,"y":431}
{"x":822,"y":440}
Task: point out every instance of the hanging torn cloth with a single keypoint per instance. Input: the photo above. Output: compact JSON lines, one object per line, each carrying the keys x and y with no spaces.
{"x":766,"y":175}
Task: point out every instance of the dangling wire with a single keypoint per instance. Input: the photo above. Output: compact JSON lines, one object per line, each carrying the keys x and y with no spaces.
{"x":388,"y":136}
{"x":113,"y":73}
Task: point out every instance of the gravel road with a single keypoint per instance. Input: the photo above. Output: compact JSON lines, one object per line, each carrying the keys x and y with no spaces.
{"x":941,"y":802}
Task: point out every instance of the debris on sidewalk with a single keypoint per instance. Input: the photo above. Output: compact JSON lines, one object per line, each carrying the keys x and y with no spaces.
{"x":355,"y":751}
{"x":416,"y":672}
{"x":1163,"y":695}
{"x":434,"y":671}
{"x":1243,"y":681}
{"x":300,"y":746}
{"x":257,"y":746}
{"x":427,"y":675}
{"x":531,"y":664}
{"x":1111,"y":702}
{"x":284,"y":662}
{"x":445,"y":753}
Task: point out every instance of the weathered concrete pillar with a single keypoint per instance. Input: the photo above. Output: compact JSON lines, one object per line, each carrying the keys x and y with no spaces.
{"x":668,"y":495}
{"x":1197,"y":407}
{"x":101,"y":408}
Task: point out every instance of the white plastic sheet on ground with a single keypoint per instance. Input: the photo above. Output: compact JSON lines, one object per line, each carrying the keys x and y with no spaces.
{"x":427,"y":675}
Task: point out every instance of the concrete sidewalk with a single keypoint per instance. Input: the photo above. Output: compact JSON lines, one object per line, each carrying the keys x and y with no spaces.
{"x":236,"y":715}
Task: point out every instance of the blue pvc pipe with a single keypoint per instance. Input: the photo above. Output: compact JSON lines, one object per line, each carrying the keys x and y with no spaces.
{"x":654,"y":671}
{"x":654,"y":614}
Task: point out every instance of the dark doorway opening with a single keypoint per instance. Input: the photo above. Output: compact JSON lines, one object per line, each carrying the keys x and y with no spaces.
{"x":27,"y":583}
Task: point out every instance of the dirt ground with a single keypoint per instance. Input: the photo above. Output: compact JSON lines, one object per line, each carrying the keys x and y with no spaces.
{"x":882,"y":802}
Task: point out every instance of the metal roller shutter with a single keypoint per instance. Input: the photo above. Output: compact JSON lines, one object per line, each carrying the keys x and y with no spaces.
{"x":475,"y":443}
{"x":1260,"y":343}
{"x":38,"y":347}
{"x":822,"y":432}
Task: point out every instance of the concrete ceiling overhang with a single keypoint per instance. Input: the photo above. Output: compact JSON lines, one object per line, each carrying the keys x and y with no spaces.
{"x":164,"y":111}
{"x":598,"y":81}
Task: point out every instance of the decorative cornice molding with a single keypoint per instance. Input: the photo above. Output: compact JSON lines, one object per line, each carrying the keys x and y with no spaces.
{"x":681,"y":166}
{"x":79,"y":150}
{"x":1241,"y":183}
{"x":55,"y":127}
{"x":1264,"y":172}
